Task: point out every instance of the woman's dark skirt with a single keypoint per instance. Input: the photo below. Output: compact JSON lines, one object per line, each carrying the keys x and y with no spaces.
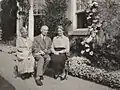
{"x":58,"y":61}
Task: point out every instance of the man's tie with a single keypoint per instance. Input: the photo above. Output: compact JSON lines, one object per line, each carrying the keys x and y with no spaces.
{"x":44,"y":40}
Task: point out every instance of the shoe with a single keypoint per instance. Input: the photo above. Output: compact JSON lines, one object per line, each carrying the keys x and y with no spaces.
{"x":56,"y":76}
{"x":28,"y":75}
{"x":23,"y":77}
{"x":38,"y":82}
{"x":41,"y":78}
{"x":63,"y":77}
{"x":16,"y":72}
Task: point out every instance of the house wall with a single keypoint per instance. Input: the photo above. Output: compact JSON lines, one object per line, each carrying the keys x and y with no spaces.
{"x":70,"y":14}
{"x":0,"y":23}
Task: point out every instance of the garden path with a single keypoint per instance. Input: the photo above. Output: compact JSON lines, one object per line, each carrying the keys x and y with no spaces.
{"x":73,"y":83}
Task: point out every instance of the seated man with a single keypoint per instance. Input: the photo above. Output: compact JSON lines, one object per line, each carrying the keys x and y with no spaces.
{"x":41,"y":51}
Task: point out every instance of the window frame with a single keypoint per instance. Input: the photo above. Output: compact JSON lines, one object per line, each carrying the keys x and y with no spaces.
{"x":37,"y":6}
{"x":74,"y":14}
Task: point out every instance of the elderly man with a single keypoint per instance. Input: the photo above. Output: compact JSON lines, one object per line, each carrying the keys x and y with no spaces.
{"x":41,"y":51}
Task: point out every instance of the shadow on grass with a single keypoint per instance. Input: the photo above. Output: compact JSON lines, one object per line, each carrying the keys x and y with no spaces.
{"x":5,"y":85}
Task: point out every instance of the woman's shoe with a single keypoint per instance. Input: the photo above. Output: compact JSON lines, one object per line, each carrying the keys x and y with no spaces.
{"x":63,"y":77}
{"x":56,"y":76}
{"x":28,"y":75}
{"x":16,"y":71}
{"x":23,"y":77}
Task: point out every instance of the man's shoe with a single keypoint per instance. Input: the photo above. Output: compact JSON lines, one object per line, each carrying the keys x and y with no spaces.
{"x":38,"y":82}
{"x":41,"y":78}
{"x":23,"y":77}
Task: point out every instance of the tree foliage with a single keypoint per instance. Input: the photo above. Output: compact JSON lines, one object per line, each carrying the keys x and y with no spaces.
{"x":23,"y":9}
{"x":8,"y":18}
{"x":107,"y":55}
{"x":55,"y":14}
{"x":109,"y":11}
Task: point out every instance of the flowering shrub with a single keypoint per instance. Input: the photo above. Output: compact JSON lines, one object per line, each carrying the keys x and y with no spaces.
{"x":106,"y":55}
{"x":94,"y":26}
{"x":80,"y":67}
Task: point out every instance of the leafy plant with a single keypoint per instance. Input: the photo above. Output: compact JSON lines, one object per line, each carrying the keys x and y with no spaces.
{"x":23,"y":9}
{"x":110,"y":14}
{"x":55,"y":14}
{"x":107,"y":55}
{"x":8,"y":18}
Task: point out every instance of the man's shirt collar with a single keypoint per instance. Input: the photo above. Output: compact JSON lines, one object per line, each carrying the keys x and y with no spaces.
{"x":61,"y":36}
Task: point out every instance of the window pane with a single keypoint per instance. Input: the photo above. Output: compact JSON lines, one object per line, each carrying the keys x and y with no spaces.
{"x":78,"y":5}
{"x":38,"y":22}
{"x":81,"y":20}
{"x":81,"y":4}
{"x":38,"y":6}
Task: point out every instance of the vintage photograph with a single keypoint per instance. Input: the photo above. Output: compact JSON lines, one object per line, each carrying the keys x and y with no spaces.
{"x":59,"y":44}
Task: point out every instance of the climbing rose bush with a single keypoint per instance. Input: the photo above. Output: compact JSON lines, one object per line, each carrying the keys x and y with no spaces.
{"x":94,"y":26}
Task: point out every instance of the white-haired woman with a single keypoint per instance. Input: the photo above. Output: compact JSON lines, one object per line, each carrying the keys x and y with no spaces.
{"x":25,"y":59}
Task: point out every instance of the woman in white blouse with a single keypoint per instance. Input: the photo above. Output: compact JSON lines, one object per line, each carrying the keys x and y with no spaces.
{"x":60,"y":47}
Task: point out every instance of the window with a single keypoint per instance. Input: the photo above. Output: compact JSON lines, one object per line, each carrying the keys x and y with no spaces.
{"x":79,"y":14}
{"x":37,"y":7}
{"x":78,"y":17}
{"x":81,"y":19}
{"x":38,"y":15}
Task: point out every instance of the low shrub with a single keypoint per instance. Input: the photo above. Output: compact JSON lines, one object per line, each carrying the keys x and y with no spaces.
{"x":80,"y":67}
{"x":107,"y":56}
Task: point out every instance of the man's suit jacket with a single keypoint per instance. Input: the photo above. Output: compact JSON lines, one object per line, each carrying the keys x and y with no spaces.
{"x":40,"y":44}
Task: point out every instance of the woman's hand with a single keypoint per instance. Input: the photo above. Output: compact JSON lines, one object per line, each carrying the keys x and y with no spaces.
{"x":56,"y":53}
{"x":62,"y":51}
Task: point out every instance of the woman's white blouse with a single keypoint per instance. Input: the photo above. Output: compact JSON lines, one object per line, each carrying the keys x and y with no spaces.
{"x":61,"y":42}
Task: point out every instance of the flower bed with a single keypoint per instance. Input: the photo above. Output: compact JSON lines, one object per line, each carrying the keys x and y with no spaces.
{"x":80,"y":67}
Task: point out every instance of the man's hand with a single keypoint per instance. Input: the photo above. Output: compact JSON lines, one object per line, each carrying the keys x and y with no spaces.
{"x":29,"y":53}
{"x":45,"y":51}
{"x":42,"y":53}
{"x":39,"y":53}
{"x":36,"y":54}
{"x":28,"y":58}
